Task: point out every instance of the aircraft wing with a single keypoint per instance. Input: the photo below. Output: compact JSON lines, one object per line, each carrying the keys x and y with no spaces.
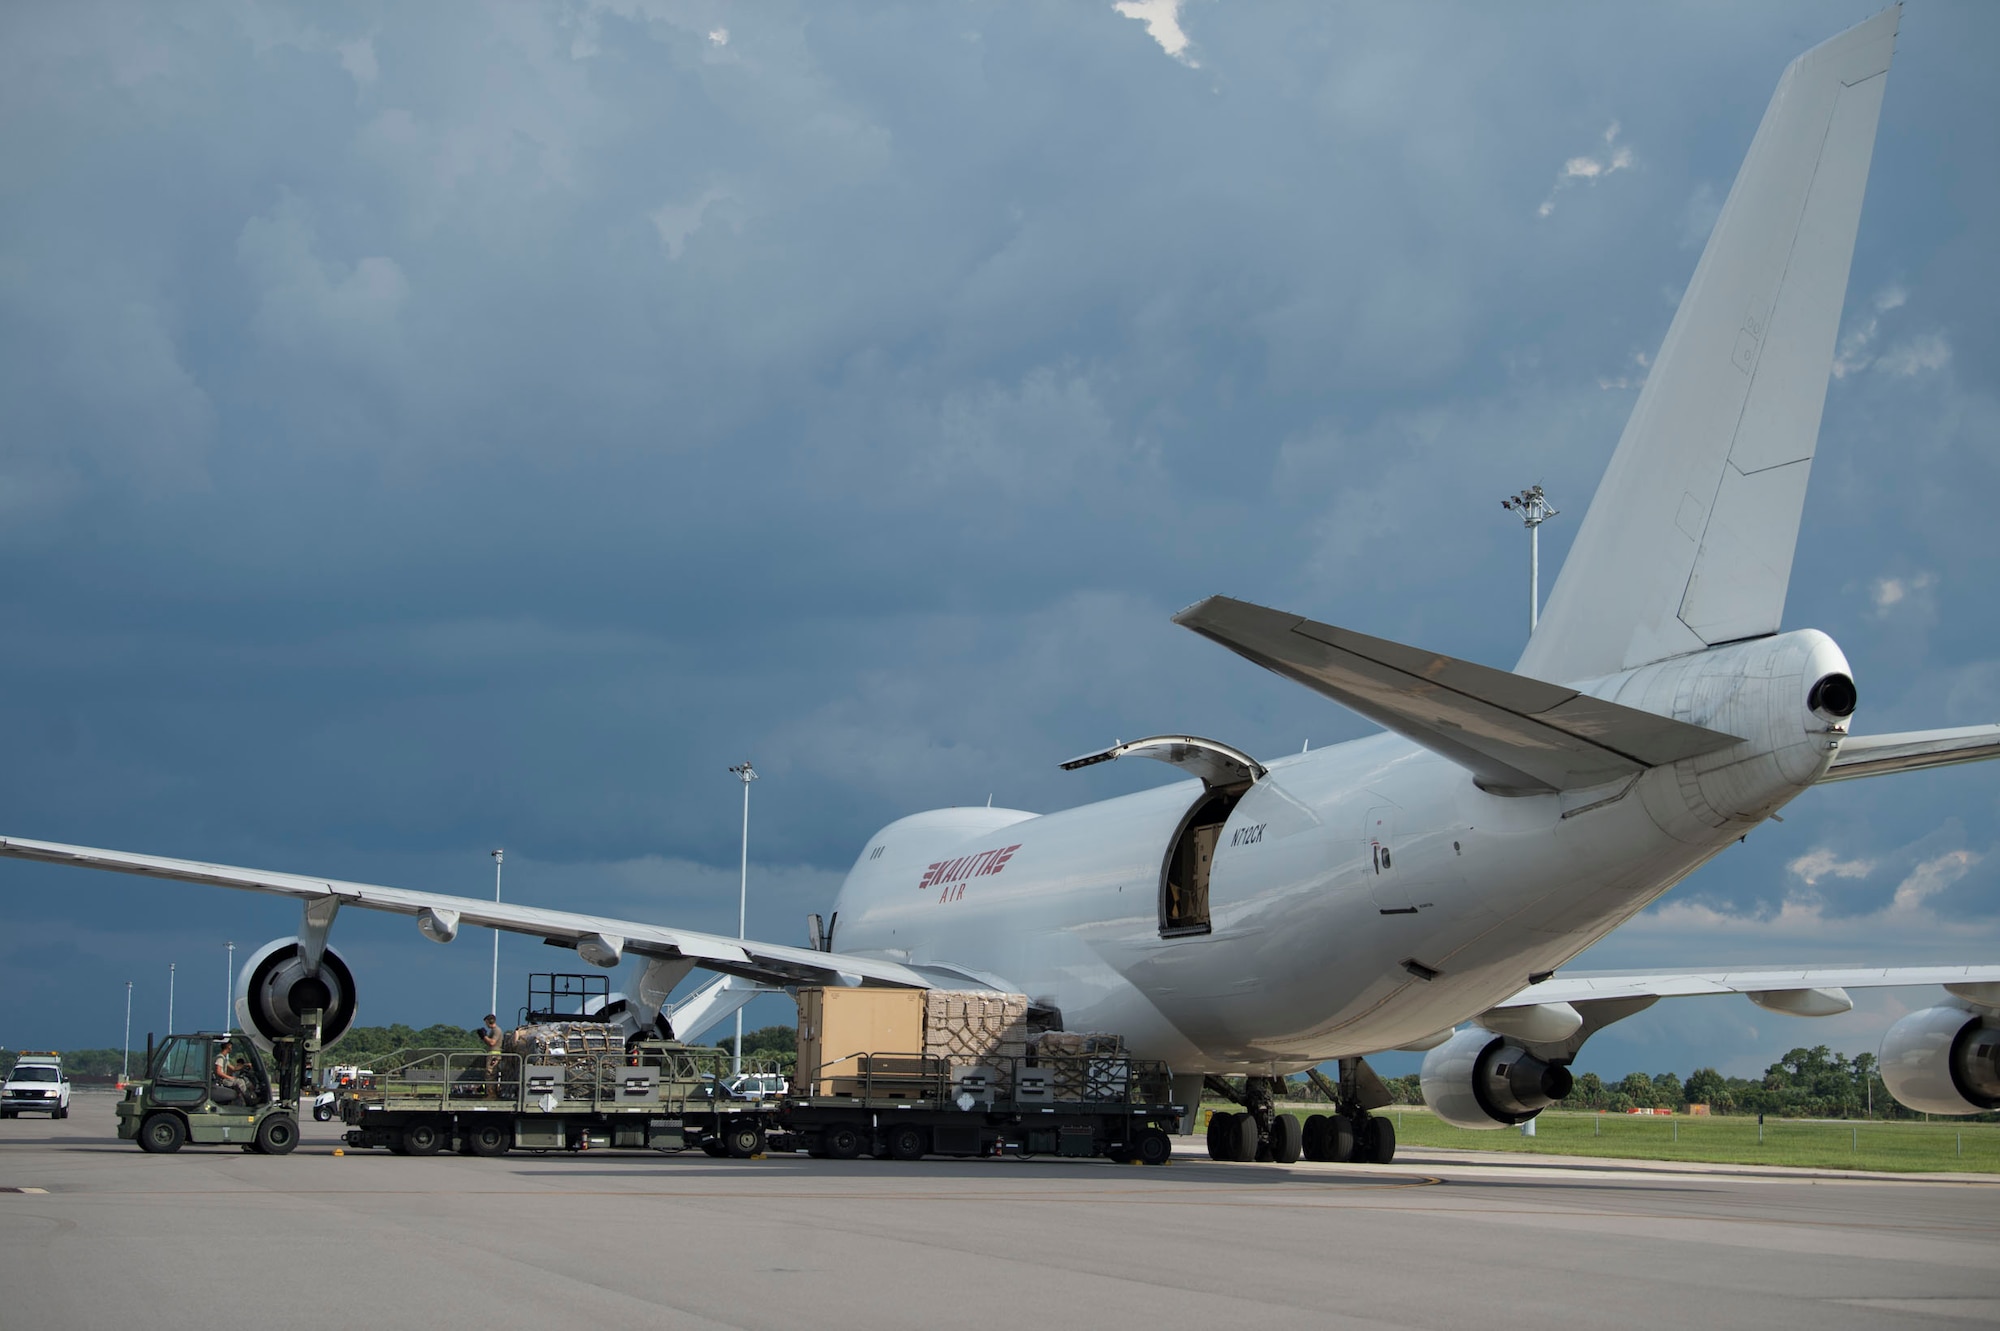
{"x":600,"y":936}
{"x":1979,"y":983}
{"x":1912,"y":751}
{"x":1513,"y":733}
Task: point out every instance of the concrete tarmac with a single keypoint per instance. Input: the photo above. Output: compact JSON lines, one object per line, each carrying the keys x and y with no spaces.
{"x":95,"y":1233}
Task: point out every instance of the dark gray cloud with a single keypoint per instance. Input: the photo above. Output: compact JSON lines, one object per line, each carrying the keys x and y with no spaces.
{"x":427,"y":429}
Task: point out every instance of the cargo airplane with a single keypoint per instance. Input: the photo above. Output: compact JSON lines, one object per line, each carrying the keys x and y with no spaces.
{"x":1423,"y":887}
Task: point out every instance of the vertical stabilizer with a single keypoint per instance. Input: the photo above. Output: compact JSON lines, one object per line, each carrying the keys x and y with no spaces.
{"x":1689,"y":540}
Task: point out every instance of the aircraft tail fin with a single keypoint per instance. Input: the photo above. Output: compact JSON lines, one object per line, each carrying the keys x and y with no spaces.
{"x":1689,"y":540}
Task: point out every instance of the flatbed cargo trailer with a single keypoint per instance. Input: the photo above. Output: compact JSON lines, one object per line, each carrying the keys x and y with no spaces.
{"x":652,"y":1095}
{"x":906,"y":1106}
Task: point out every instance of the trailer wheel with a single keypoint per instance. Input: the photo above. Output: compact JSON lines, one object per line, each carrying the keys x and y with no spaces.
{"x":744,"y":1140}
{"x":1152,"y":1147}
{"x":488,"y":1139}
{"x":277,"y":1135}
{"x":162,"y":1133}
{"x":908,"y":1142}
{"x":842,"y":1141}
{"x":422,"y":1139}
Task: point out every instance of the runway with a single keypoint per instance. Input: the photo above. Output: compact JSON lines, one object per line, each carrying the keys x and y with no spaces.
{"x":95,"y":1233}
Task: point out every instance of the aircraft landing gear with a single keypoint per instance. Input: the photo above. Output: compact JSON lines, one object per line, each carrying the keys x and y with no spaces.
{"x":1349,"y":1135}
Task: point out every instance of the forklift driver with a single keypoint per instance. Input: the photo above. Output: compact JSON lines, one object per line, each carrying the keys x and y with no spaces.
{"x":230,"y":1084}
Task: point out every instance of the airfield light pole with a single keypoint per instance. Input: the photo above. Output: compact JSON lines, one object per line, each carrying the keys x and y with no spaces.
{"x":170,"y":997}
{"x":1533,"y":506}
{"x":229,"y":988}
{"x":746,"y":774}
{"x":125,"y":1053}
{"x":499,"y":858}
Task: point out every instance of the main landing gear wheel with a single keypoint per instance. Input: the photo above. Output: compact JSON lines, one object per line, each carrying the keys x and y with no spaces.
{"x":743,"y":1140}
{"x":907,"y":1142}
{"x":1286,"y":1139}
{"x":842,"y":1141}
{"x":1328,"y":1138}
{"x":162,"y":1134}
{"x":277,"y":1135}
{"x":1218,"y":1136}
{"x":1244,"y":1139}
{"x":488,"y":1139}
{"x":422,"y":1139}
{"x":1377,"y":1145}
{"x":1152,"y":1147}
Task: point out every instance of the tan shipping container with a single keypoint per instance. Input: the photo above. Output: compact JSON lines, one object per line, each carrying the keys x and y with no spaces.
{"x":837,"y":1024}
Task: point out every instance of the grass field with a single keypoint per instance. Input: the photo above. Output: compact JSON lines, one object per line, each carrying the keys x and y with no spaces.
{"x":1913,"y":1147}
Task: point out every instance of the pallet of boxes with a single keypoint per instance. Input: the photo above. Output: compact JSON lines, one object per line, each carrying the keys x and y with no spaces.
{"x":928,"y":1044}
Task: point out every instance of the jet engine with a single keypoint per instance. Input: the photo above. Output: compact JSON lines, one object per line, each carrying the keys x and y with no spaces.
{"x":1944,"y":1060}
{"x":1477,"y":1079}
{"x":273,"y":990}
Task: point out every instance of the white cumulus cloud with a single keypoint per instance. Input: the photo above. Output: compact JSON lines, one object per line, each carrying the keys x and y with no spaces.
{"x":1589,"y":167}
{"x":677,"y":221}
{"x":1910,"y":357}
{"x":1887,"y":592}
{"x":1824,"y":863}
{"x":1163,"y":24}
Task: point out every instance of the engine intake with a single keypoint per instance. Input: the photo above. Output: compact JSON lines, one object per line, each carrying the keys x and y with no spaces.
{"x":1477,"y":1079}
{"x":273,"y":990}
{"x":1944,"y":1060}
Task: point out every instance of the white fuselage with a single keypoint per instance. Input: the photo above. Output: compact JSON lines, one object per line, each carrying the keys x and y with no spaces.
{"x":1315,"y":949}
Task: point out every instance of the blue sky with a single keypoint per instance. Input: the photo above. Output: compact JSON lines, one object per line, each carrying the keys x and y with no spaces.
{"x":426,"y":429}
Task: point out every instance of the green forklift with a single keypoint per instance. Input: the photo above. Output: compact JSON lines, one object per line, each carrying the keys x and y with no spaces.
{"x":218,"y":1089}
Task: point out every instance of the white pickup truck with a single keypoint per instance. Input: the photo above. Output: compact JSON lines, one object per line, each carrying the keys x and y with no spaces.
{"x":37,"y":1085}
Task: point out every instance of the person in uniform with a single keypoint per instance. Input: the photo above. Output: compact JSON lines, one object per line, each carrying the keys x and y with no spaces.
{"x":489,"y":1035}
{"x":230,"y":1083}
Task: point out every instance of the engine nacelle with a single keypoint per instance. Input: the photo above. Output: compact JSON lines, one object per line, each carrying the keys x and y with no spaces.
{"x":273,"y":989}
{"x":1477,"y":1079}
{"x":1944,"y":1060}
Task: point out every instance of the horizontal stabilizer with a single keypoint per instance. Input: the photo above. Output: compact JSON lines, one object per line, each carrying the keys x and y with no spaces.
{"x":1514,"y":734}
{"x":1912,"y":751}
